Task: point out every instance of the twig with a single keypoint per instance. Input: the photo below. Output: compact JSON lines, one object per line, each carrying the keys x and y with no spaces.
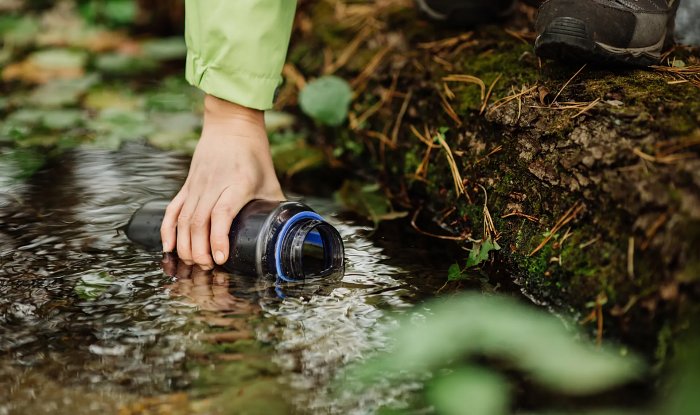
{"x":456,"y":176}
{"x":292,"y":73}
{"x":469,"y":79}
{"x":568,"y":216}
{"x":446,"y":43}
{"x":567,"y":84}
{"x":463,"y":237}
{"x":653,"y":230}
{"x":599,"y":301}
{"x":387,"y":95}
{"x":488,"y":94}
{"x":399,"y":118}
{"x":490,"y":231}
{"x":630,"y":257}
{"x":492,"y":152}
{"x":583,"y":111}
{"x":349,"y":51}
{"x":668,"y":159}
{"x":359,"y":82}
{"x":424,"y":139}
{"x":449,"y":110}
{"x":589,"y":243}
{"x":381,"y":137}
{"x":522,"y":215}
{"x":521,"y":36}
{"x":422,"y":169}
{"x":503,"y":101}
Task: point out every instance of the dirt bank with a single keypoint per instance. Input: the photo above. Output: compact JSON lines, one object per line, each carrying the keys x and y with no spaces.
{"x":592,"y":174}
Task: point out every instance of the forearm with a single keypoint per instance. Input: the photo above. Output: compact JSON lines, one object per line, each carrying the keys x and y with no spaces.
{"x":236,"y":49}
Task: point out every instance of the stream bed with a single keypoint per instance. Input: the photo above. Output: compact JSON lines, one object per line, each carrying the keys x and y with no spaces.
{"x":91,"y":323}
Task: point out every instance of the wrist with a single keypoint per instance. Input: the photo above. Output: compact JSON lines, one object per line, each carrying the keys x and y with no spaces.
{"x":219,"y":109}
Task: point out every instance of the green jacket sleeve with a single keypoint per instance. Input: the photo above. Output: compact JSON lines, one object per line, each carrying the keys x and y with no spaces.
{"x":236,"y":48}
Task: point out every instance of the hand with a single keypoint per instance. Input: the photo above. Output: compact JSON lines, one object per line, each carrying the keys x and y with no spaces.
{"x":207,"y":289}
{"x":230,"y":167}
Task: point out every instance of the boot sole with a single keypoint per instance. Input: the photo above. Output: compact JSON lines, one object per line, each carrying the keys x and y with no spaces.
{"x":568,"y":39}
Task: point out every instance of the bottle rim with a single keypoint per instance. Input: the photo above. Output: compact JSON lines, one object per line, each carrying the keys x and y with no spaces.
{"x":291,"y":238}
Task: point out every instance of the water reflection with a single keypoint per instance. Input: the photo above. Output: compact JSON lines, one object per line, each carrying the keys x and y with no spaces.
{"x":83,"y":312}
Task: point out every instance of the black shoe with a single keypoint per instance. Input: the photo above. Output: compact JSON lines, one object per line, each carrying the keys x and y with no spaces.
{"x":466,"y":12}
{"x":605,"y":31}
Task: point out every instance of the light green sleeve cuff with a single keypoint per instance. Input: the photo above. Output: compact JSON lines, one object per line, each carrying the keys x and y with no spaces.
{"x":236,"y":48}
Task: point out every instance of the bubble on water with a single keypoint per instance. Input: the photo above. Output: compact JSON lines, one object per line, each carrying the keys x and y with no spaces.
{"x":116,"y":350}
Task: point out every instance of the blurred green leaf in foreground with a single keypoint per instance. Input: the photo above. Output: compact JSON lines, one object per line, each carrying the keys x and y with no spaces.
{"x":449,"y":338}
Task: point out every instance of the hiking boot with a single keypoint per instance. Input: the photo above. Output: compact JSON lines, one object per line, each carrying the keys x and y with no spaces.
{"x":466,"y":12}
{"x":605,"y":31}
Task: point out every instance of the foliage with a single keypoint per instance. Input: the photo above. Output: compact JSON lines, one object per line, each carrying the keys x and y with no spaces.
{"x":111,"y":12}
{"x":485,"y":392}
{"x":447,"y":338}
{"x":684,"y":399}
{"x":326,"y":100}
{"x":19,"y":164}
{"x":367,"y":200}
{"x":478,"y":254}
{"x":91,"y":286}
{"x":290,"y":151}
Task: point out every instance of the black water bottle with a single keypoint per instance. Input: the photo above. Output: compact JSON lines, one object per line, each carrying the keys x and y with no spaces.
{"x":283,"y":239}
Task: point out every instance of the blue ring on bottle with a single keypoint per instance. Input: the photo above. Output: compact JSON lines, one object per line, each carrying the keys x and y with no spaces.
{"x":283,"y":233}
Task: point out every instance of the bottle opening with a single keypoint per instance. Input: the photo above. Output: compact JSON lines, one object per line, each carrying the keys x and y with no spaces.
{"x":309,"y":248}
{"x":314,"y":258}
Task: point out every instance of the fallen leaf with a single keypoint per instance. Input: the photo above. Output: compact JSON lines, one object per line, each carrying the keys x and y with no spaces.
{"x":61,"y":92}
{"x":112,"y":98}
{"x":47,"y":65}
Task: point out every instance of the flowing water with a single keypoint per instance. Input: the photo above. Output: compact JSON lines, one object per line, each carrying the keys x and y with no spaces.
{"x":91,"y":323}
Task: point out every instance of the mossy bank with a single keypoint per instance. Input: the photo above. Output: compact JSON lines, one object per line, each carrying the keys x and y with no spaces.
{"x":600,"y":163}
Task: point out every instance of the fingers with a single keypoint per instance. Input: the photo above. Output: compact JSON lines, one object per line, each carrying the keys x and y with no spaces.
{"x":183,"y":271}
{"x":227,"y":207}
{"x":199,"y":230}
{"x":168,"y":229}
{"x":184,"y":219}
{"x":169,"y":263}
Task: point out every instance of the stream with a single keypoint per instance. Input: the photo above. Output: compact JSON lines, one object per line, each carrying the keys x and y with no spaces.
{"x":91,"y":323}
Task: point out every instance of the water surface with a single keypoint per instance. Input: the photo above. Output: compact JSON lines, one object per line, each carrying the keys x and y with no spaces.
{"x":89,"y":322}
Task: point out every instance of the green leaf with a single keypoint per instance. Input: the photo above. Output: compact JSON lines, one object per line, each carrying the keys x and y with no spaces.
{"x":18,"y":31}
{"x":116,"y":12}
{"x":121,"y":64}
{"x":471,"y":326}
{"x":120,"y":11}
{"x":91,"y":286}
{"x":326,"y":100}
{"x":63,"y":119}
{"x":175,"y":131}
{"x":469,"y":390}
{"x":104,"y":98}
{"x":454,"y":273}
{"x":19,"y":164}
{"x":114,"y":126}
{"x":165,"y":49}
{"x":65,"y":59}
{"x":293,"y":154}
{"x":63,"y":92}
{"x":480,"y":252}
{"x":23,"y":122}
{"x":174,"y":94}
{"x":368,"y":201}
